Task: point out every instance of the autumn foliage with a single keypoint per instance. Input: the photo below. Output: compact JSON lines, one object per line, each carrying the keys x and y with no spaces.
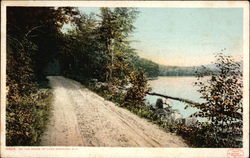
{"x":135,"y":95}
{"x":223,"y":94}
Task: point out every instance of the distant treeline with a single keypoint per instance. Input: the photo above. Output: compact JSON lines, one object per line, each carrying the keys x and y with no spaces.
{"x":150,"y":68}
{"x":177,"y":71}
{"x":153,"y":69}
{"x":189,"y":70}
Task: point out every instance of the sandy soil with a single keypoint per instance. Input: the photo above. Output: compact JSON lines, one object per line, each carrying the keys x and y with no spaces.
{"x":82,"y":118}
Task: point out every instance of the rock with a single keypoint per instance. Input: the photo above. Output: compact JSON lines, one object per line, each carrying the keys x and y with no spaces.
{"x":159,"y":103}
{"x":172,"y":115}
{"x":176,"y":115}
{"x":162,"y":114}
{"x":190,"y":121}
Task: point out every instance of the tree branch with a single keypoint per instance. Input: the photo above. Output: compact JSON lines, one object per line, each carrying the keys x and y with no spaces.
{"x":32,"y":29}
{"x":174,"y":98}
{"x":227,"y":113}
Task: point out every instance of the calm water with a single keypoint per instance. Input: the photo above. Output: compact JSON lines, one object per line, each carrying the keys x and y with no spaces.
{"x":182,"y":87}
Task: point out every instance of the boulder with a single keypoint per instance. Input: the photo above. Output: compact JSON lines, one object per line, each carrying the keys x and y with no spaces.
{"x":159,"y":103}
{"x":190,"y":121}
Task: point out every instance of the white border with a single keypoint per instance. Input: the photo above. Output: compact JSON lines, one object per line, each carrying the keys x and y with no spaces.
{"x":149,"y":4}
{"x":127,"y":152}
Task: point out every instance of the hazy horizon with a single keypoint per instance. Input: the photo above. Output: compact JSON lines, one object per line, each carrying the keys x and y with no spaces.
{"x":186,"y":36}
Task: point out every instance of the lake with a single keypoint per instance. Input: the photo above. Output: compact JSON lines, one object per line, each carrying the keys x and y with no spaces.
{"x":176,"y":86}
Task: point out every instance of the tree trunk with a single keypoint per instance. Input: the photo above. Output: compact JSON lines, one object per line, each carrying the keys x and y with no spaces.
{"x":174,"y":98}
{"x":227,"y":113}
{"x":111,"y":53}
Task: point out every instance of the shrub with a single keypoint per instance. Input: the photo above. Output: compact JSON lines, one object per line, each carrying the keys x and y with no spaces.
{"x":136,"y":93}
{"x":26,"y":118}
{"x":223,"y":103}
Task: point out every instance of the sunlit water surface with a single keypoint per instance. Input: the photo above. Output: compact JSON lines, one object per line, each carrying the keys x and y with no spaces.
{"x":182,"y":87}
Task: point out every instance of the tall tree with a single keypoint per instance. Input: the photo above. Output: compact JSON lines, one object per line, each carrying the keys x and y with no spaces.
{"x":82,"y":53}
{"x":115,"y":27}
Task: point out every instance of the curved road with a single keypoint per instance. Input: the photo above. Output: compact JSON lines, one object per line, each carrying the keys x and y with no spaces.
{"x":82,"y":118}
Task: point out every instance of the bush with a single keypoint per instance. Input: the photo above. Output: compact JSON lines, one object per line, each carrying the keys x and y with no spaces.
{"x":223,"y":103}
{"x":26,"y":118}
{"x":27,"y":108}
{"x":136,"y":93}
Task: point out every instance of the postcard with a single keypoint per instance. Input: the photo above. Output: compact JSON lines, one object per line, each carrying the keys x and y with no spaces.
{"x":125,"y":79}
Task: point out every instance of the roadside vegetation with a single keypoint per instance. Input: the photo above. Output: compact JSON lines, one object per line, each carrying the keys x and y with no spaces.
{"x":27,"y":117}
{"x":33,"y":37}
{"x":223,"y":107}
{"x":97,"y":52}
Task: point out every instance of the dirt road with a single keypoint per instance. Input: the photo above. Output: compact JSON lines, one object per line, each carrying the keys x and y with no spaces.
{"x":82,"y":118}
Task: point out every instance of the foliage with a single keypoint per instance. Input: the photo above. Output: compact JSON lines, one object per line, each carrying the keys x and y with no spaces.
{"x":31,"y":43}
{"x":43,"y":31}
{"x":20,"y":68}
{"x":98,"y":48}
{"x":81,"y":54}
{"x":115,"y":26}
{"x":150,"y":68}
{"x":223,"y":102}
{"x":26,"y":118}
{"x":135,"y":95}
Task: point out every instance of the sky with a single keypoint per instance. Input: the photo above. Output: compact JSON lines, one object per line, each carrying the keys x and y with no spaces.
{"x":186,"y":36}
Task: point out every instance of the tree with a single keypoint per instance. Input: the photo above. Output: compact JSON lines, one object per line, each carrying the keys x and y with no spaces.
{"x":31,"y":43}
{"x":223,"y":101}
{"x":115,"y":26}
{"x":82,"y":52}
{"x":42,"y":31}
